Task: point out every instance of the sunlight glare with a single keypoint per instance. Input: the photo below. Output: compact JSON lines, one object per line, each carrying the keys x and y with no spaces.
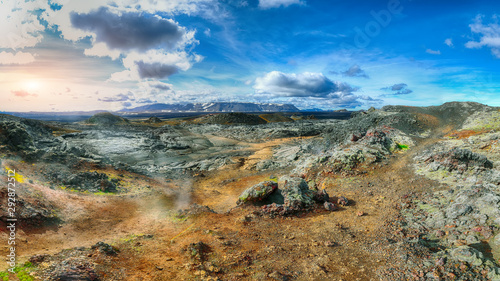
{"x":32,"y":85}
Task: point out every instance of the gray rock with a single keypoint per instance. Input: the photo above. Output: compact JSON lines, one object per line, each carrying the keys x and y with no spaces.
{"x":296,"y":192}
{"x":496,"y":240}
{"x":494,"y":274}
{"x":459,"y":160}
{"x":257,"y":192}
{"x":330,"y":206}
{"x":467,"y":254}
{"x":458,"y":209}
{"x":472,"y":239}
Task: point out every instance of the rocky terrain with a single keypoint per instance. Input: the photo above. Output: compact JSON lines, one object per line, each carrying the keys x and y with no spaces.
{"x":398,"y":193}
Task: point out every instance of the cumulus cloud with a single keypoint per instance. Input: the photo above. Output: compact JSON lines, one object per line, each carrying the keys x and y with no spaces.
{"x":305,"y":88}
{"x":20,"y":25}
{"x":155,"y":70}
{"x":489,"y":36}
{"x":102,"y":50}
{"x":448,"y":42}
{"x":355,"y":71}
{"x":160,"y":85}
{"x":61,"y":18}
{"x":130,"y":31}
{"x":299,"y":85}
{"x":398,"y":89}
{"x":267,"y":4}
{"x":149,"y":45}
{"x":145,"y":92}
{"x":154,"y":64}
{"x":16,"y":58}
{"x":433,"y":52}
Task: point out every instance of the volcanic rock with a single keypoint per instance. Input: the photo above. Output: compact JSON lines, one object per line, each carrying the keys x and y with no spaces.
{"x":296,"y":192}
{"x":257,"y":192}
{"x":107,"y":119}
{"x":153,"y":120}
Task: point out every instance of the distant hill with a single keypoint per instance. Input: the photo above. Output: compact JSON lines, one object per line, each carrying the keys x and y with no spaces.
{"x":232,"y":118}
{"x":275,"y":117}
{"x":106,"y":118}
{"x":212,"y":107}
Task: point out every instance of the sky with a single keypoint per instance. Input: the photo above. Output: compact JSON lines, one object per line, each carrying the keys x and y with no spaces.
{"x":73,"y":55}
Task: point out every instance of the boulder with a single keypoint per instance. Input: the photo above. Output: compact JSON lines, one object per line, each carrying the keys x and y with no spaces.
{"x":467,"y":254}
{"x":105,"y":248}
{"x":257,"y":192}
{"x":296,"y":192}
{"x":329,"y":206}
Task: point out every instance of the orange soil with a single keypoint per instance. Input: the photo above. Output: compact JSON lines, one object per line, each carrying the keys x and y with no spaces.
{"x":243,"y":246}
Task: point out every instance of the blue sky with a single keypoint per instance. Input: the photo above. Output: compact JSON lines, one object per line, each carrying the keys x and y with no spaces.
{"x":65,"y":55}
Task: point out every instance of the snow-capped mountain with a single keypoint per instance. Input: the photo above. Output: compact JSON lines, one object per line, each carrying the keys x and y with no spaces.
{"x":213,"y":107}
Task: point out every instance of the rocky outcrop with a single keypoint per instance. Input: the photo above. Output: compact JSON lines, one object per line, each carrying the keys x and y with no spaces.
{"x":153,"y":120}
{"x":459,"y":160}
{"x":29,"y":138}
{"x":91,"y":181}
{"x":31,"y":212}
{"x":107,"y":119}
{"x":231,"y":119}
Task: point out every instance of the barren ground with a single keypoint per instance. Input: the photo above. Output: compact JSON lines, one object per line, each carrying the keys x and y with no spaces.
{"x":319,"y":245}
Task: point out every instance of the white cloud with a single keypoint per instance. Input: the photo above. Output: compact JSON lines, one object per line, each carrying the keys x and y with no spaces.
{"x":305,"y":84}
{"x":154,"y":64}
{"x":102,"y":50}
{"x":150,"y":46}
{"x":267,"y":4}
{"x":397,"y":90}
{"x":299,"y":88}
{"x":433,"y":52}
{"x":355,"y":71}
{"x":62,"y":18}
{"x":448,"y":42}
{"x":20,"y":26}
{"x":17,"y":58}
{"x":489,"y":36}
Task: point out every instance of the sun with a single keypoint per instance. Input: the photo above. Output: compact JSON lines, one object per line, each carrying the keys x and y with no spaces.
{"x":32,"y":85}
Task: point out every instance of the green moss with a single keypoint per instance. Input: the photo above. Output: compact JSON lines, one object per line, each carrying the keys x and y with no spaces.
{"x":21,"y":272}
{"x":402,"y":146}
{"x":102,"y":193}
{"x":4,"y":276}
{"x":428,"y":208}
{"x":243,"y":197}
{"x":441,"y":174}
{"x":178,"y":218}
{"x":68,"y":189}
{"x":483,"y":120}
{"x":274,"y":179}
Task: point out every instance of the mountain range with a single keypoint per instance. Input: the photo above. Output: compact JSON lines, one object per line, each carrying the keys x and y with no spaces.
{"x":212,"y":107}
